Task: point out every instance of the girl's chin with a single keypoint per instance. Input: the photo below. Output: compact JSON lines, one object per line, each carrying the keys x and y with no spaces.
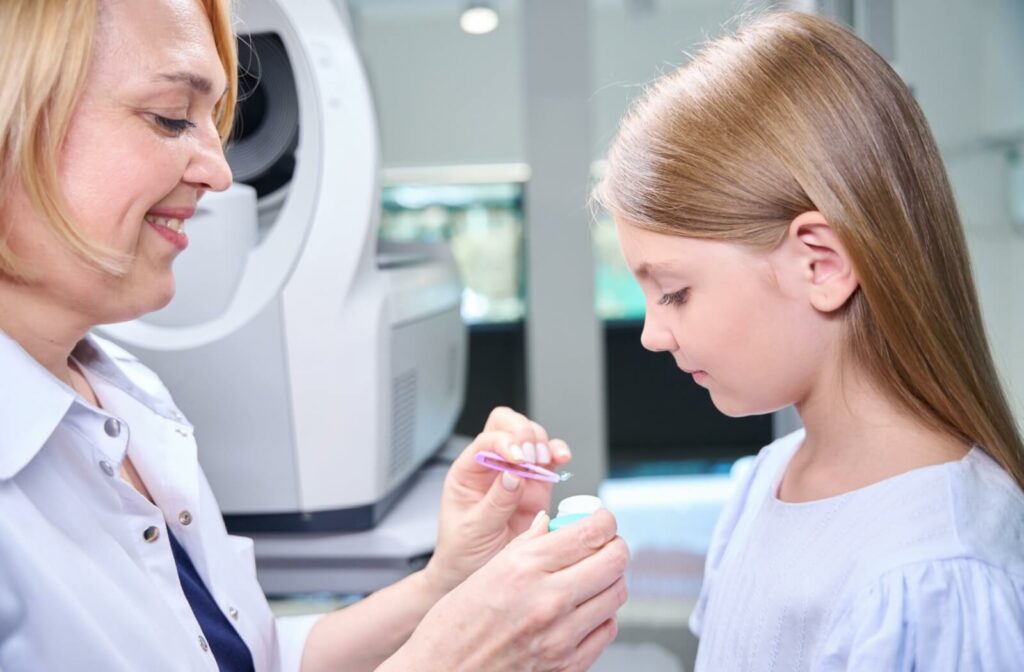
{"x":737,"y":408}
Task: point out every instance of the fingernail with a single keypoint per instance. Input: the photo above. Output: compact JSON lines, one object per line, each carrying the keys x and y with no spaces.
{"x":529,"y":452}
{"x":516,"y":452}
{"x":541,"y":515}
{"x":543,"y":454}
{"x":562,"y":452}
{"x":509,"y":481}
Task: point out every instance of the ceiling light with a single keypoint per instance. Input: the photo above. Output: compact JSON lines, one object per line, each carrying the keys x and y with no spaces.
{"x":478,"y":19}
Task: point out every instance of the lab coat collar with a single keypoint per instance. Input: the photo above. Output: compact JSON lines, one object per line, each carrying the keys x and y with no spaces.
{"x":162,"y":445}
{"x":101,"y":358}
{"x":32,"y":403}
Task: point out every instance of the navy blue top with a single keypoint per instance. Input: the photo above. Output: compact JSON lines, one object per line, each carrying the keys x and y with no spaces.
{"x":230,"y":652}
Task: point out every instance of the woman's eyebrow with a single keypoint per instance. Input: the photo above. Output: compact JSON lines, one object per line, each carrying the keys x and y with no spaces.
{"x":195,"y":82}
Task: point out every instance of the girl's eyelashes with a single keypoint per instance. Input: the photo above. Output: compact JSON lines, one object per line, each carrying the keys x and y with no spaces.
{"x":675,"y":298}
{"x":174,"y":126}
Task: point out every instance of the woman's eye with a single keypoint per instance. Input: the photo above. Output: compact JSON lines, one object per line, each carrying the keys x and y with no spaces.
{"x":175,"y":126}
{"x":675,"y":298}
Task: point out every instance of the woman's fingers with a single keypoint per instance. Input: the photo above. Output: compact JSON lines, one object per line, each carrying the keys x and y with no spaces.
{"x":505,"y":419}
{"x":594,"y":574}
{"x":560,"y":453}
{"x":527,"y":434}
{"x":542,"y":450}
{"x":587,"y":617}
{"x":571,"y":544}
{"x":504,"y":495}
{"x":594,"y":644}
{"x":530,"y":436}
{"x":498,"y":442}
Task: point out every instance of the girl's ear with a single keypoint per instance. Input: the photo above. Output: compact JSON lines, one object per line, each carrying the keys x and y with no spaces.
{"x":828,"y":273}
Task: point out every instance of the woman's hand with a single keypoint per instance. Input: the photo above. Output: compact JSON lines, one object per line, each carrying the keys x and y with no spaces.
{"x":546,"y":602}
{"x":482,"y":509}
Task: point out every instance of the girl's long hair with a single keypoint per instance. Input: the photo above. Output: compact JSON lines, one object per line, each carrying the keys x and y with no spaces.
{"x":791,"y":114}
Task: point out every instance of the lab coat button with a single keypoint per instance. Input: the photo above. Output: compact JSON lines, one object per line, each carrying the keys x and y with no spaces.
{"x":151,"y":534}
{"x":112,"y":427}
{"x":184,"y":517}
{"x":107,"y":468}
{"x":202,"y":644}
{"x":233,"y":613}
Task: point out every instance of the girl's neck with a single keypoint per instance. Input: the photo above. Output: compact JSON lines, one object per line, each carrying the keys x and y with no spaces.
{"x":858,"y":435}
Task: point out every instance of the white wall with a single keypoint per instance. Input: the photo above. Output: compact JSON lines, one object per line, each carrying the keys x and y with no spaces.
{"x":443,"y":97}
{"x":447,"y":98}
{"x":965,"y":62}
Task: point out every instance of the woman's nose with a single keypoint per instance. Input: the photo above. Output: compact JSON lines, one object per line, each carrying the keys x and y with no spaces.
{"x":209,"y":169}
{"x":656,"y":337}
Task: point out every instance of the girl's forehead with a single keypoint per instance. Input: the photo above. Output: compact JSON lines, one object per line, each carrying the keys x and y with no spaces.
{"x":649,"y":253}
{"x":651,"y":249}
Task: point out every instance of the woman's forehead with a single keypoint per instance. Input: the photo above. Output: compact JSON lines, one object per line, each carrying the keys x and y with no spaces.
{"x":151,"y":37}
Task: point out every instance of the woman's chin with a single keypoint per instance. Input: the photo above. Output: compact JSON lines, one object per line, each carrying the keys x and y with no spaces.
{"x":155,"y":298}
{"x":163,"y":298}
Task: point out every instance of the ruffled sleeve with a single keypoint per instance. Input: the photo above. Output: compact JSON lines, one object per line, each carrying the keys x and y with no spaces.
{"x":941,"y":616}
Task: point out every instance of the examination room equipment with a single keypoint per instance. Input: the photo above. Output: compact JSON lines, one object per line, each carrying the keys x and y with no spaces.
{"x":321,"y":368}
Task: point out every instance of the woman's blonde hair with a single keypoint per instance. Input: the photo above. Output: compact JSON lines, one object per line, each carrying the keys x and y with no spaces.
{"x":45,"y":51}
{"x":793,"y":114}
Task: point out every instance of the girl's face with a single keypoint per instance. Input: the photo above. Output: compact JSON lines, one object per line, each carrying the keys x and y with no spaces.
{"x":141,"y":150}
{"x":739,"y":321}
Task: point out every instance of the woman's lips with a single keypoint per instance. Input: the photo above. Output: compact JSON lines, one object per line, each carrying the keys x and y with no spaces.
{"x":171,"y":228}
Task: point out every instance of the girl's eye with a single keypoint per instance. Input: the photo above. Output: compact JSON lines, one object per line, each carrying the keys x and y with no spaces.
{"x":675,"y":298}
{"x":174,"y":126}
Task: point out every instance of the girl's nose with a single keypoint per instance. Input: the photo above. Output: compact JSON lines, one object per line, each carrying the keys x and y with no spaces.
{"x":656,"y":337}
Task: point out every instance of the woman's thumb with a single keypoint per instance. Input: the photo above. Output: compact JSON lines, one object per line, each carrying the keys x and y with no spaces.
{"x":504,"y":494}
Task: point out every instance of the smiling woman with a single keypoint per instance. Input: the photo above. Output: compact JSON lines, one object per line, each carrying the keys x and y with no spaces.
{"x":36,"y":103}
{"x":140,"y":149}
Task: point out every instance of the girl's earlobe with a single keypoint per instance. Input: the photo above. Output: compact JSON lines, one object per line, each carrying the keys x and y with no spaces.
{"x":827,"y":301}
{"x":832,"y":277}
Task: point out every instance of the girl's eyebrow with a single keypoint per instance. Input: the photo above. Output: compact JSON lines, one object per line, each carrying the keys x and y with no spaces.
{"x":645,"y":269}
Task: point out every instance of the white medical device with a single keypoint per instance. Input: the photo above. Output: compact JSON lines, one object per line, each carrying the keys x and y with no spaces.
{"x":319,"y":367}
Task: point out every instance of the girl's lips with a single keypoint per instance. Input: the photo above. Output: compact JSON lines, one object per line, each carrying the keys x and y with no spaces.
{"x":698,"y":375}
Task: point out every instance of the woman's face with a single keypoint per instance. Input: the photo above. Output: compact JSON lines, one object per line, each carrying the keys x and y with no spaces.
{"x":141,"y":150}
{"x":739,"y":321}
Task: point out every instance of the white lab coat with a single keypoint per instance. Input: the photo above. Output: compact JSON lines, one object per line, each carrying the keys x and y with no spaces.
{"x":85,"y":583}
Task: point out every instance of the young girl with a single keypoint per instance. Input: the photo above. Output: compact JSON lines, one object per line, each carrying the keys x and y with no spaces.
{"x":782,"y":203}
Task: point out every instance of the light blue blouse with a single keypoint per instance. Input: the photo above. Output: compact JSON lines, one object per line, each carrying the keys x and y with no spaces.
{"x":923,"y":571}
